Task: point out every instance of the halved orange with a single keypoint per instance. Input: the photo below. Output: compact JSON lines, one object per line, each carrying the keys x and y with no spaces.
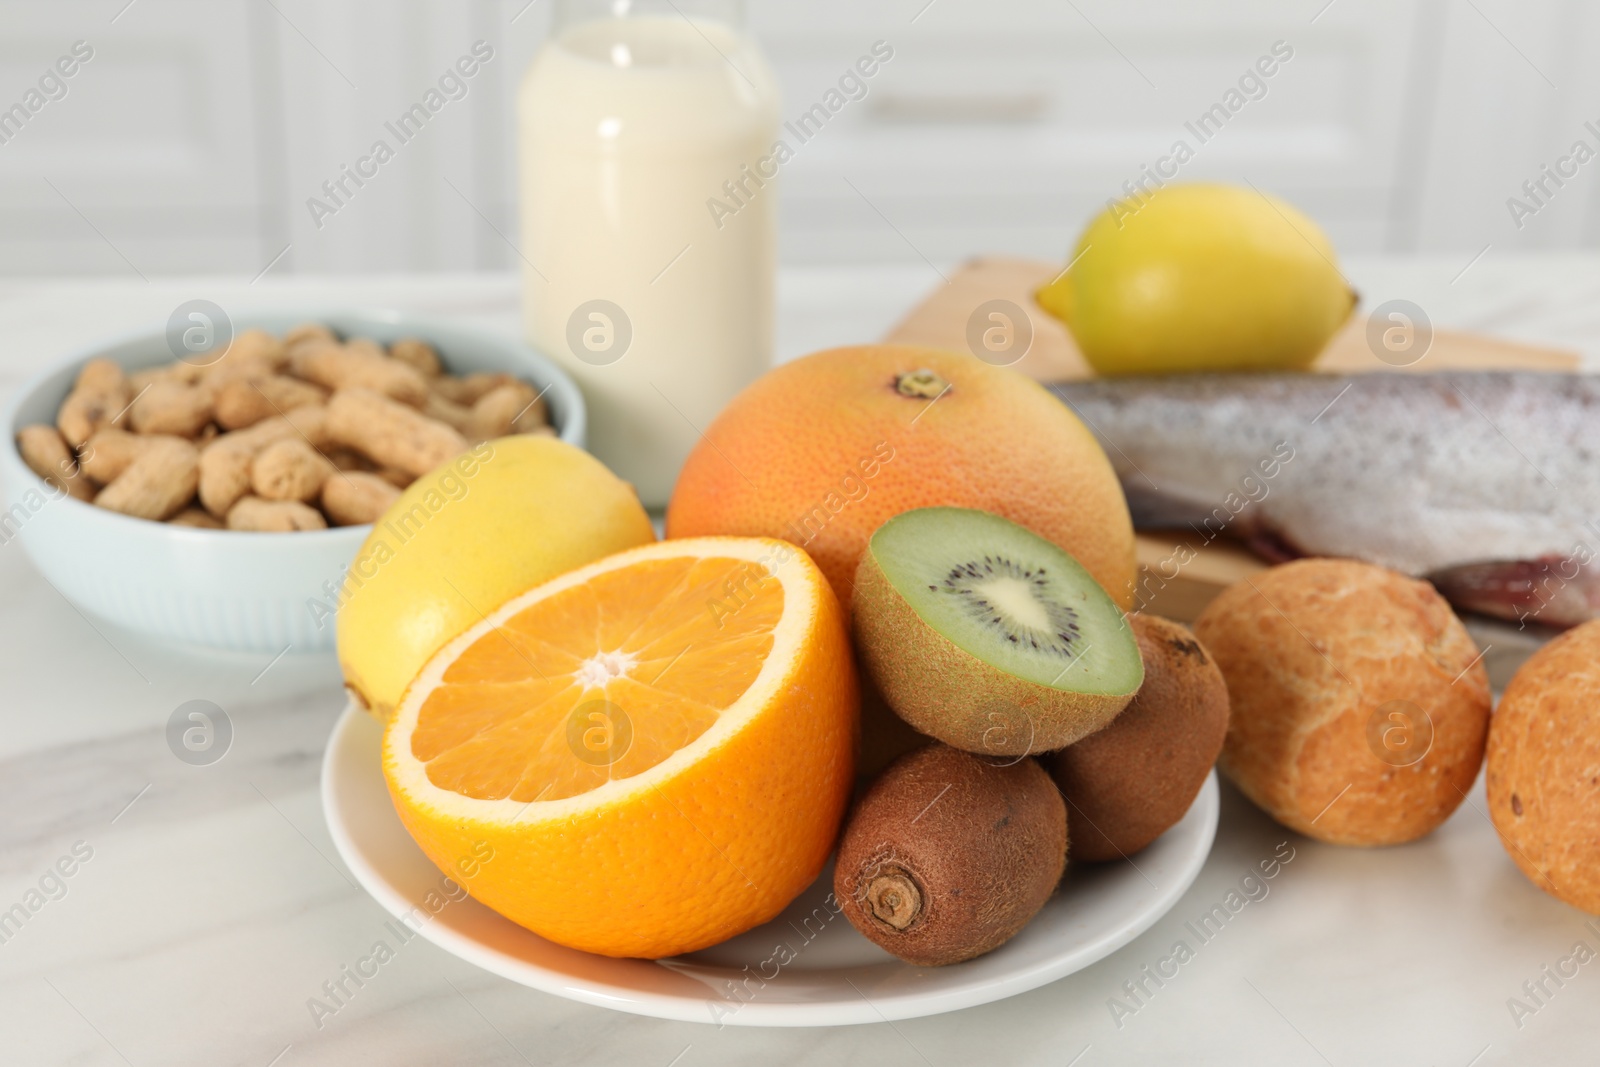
{"x":643,"y":757}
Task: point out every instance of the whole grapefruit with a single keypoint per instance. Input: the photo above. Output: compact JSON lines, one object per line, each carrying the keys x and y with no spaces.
{"x":822,"y":451}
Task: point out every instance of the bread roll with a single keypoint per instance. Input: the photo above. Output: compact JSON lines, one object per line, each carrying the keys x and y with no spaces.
{"x":1544,"y":768}
{"x":1359,"y":704}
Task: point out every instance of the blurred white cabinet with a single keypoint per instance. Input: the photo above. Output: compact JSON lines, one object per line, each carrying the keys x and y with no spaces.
{"x":200,"y":136}
{"x":1006,"y":124}
{"x":161,"y":157}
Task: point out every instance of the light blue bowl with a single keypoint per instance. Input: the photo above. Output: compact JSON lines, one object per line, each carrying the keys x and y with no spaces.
{"x":252,"y":592}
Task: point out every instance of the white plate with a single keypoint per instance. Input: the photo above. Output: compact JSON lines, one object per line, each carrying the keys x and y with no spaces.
{"x":808,"y":967}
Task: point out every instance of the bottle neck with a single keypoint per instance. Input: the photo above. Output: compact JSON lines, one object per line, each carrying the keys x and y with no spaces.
{"x":569,"y":13}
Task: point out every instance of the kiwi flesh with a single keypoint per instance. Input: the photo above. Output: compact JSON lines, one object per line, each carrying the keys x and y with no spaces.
{"x":986,"y":636}
{"x":949,"y":855}
{"x":1127,"y":784}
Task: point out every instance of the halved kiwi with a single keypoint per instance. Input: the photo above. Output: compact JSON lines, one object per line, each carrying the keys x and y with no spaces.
{"x":987,"y":636}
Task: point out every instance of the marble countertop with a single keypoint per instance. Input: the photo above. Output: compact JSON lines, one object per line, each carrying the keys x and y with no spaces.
{"x":205,"y":904}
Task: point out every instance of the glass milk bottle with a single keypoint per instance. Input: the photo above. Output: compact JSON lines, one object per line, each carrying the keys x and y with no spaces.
{"x":647,"y":130}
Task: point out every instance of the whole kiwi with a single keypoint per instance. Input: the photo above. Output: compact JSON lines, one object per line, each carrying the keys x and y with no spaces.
{"x":948,"y":855}
{"x":1130,"y":782}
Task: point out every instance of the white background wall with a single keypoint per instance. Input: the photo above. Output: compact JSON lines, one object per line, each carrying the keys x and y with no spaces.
{"x":192,"y":139}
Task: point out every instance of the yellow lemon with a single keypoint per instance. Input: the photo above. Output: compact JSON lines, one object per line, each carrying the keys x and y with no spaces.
{"x":1200,"y":278}
{"x":465,"y":538}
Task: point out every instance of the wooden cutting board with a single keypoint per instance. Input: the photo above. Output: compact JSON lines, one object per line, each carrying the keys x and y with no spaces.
{"x":941,"y":321}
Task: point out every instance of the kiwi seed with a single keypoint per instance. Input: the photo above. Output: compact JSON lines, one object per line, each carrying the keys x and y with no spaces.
{"x":1015,"y":600}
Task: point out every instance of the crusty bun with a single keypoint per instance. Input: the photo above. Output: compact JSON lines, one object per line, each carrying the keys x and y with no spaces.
{"x":1360,"y":705}
{"x":1127,"y":784}
{"x":1544,"y":768}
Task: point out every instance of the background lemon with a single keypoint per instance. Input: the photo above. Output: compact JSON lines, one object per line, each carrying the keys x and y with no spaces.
{"x":1201,"y":277}
{"x":462,"y":540}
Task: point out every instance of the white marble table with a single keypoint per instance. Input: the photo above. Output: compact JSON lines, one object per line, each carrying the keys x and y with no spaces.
{"x":211,"y":905}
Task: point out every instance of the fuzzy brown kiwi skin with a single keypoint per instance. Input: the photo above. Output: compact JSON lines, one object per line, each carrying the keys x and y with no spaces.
{"x":948,"y":855}
{"x":1128,"y":784}
{"x":885,"y":736}
{"x":949,"y":694}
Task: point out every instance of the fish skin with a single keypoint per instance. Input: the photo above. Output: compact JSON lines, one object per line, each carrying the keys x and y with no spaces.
{"x":1485,"y":483}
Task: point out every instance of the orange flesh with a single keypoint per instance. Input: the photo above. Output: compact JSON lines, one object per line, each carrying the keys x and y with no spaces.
{"x":600,"y":681}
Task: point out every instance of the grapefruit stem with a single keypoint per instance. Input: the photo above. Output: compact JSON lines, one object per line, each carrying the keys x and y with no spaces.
{"x":923,"y":384}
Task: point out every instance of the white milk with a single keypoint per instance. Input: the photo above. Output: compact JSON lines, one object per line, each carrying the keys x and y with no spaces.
{"x":628,"y":127}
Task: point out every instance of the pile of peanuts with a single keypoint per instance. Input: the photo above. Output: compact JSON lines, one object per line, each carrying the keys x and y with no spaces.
{"x":301,"y":432}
